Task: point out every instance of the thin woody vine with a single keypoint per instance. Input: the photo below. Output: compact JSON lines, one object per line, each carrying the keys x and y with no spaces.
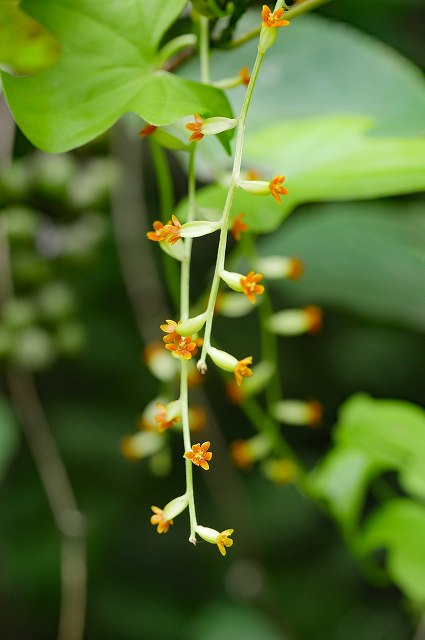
{"x":182,"y":340}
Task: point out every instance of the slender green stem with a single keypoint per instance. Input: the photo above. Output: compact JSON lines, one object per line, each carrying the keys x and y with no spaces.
{"x":221,"y":252}
{"x":204,"y":48}
{"x":173,"y":47}
{"x":293,"y":12}
{"x":165,"y":188}
{"x":184,"y":314}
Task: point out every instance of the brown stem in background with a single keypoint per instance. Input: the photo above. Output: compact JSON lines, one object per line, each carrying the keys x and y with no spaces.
{"x":29,"y":410}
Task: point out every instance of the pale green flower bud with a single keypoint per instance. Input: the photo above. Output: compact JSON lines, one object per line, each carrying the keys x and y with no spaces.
{"x":175,"y":507}
{"x":297,"y":412}
{"x":277,"y":267}
{"x":267,"y":38}
{"x":231,"y":305}
{"x":218,"y":124}
{"x":198,"y":228}
{"x":222,"y":359}
{"x":191,"y":326}
{"x":232,"y":279}
{"x":293,"y":322}
{"x":141,"y":445}
{"x":207,"y":534}
{"x":257,"y":187}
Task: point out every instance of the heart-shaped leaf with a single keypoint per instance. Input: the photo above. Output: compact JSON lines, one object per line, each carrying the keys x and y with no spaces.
{"x":106,"y":68}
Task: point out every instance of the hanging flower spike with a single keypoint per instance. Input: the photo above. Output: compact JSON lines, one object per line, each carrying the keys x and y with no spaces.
{"x":224,"y":541}
{"x":276,"y":188}
{"x":184,"y":348}
{"x":196,"y":127}
{"x":160,"y":233}
{"x":238,"y":226}
{"x":159,"y":519}
{"x":148,"y":130}
{"x":245,"y":76}
{"x":273,"y":18}
{"x":173,"y":230}
{"x":250,"y":285}
{"x":161,"y":417}
{"x":170,"y":330}
{"x":242,"y":369}
{"x":200,"y":455}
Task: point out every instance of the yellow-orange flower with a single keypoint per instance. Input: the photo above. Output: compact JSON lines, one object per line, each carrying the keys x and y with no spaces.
{"x":276,"y":188}
{"x":241,"y":454}
{"x":173,"y":230}
{"x":200,"y":455}
{"x":196,"y":128}
{"x":250,"y":285}
{"x":314,"y":413}
{"x":159,"y":519}
{"x":242,"y":369}
{"x":315,"y":318}
{"x":159,"y":234}
{"x":170,"y":330}
{"x":148,"y":130}
{"x":224,"y":541}
{"x":273,"y":18}
{"x":161,"y":417}
{"x":238,"y":226}
{"x":183,"y":348}
{"x":245,"y":76}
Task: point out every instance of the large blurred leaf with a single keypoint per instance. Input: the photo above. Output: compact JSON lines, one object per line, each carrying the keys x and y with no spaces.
{"x":389,"y":433}
{"x":399,"y":527}
{"x":319,"y":66}
{"x":107,"y":68}
{"x":367,"y":258}
{"x":371,"y":436}
{"x":9,"y":435}
{"x":325,"y":158}
{"x":25,"y":45}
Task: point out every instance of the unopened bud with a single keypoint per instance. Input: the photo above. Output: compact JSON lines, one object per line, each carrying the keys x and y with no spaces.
{"x":222,"y":359}
{"x":293,"y":322}
{"x":175,"y":507}
{"x":277,"y":267}
{"x":207,"y":534}
{"x":267,"y":38}
{"x":198,"y":228}
{"x":159,"y":362}
{"x":218,"y":124}
{"x":232,"y":279}
{"x":191,"y":326}
{"x":297,"y":412}
{"x":257,"y":187}
{"x":141,"y":445}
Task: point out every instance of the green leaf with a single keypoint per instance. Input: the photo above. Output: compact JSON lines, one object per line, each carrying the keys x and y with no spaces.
{"x":9,"y":435}
{"x":107,"y":68}
{"x":390,"y":433}
{"x":320,"y":66}
{"x":342,"y":480}
{"x":399,"y":527}
{"x":25,"y":45}
{"x":333,"y":158}
{"x":367,"y":258}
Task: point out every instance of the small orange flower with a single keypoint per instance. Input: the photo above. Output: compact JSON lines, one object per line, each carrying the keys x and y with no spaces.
{"x":234,"y":392}
{"x":159,"y":234}
{"x":196,"y":127}
{"x":242,"y":369}
{"x":170,"y":330}
{"x":273,"y":18}
{"x":296,"y":269}
{"x":241,"y":454}
{"x":250,"y":285}
{"x":224,"y":541}
{"x":161,"y":418}
{"x":147,"y":131}
{"x":276,"y":188}
{"x":173,"y":230}
{"x":315,"y":317}
{"x":198,"y":342}
{"x":200,"y":455}
{"x":183,"y":348}
{"x":315,"y":413}
{"x":245,"y":76}
{"x":158,"y":519}
{"x":238,"y":226}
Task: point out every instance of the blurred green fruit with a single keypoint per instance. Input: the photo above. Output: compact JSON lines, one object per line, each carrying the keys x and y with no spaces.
{"x":18,"y":313}
{"x":56,"y":302}
{"x":22,"y":223}
{"x":34,"y":349}
{"x":70,"y":338}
